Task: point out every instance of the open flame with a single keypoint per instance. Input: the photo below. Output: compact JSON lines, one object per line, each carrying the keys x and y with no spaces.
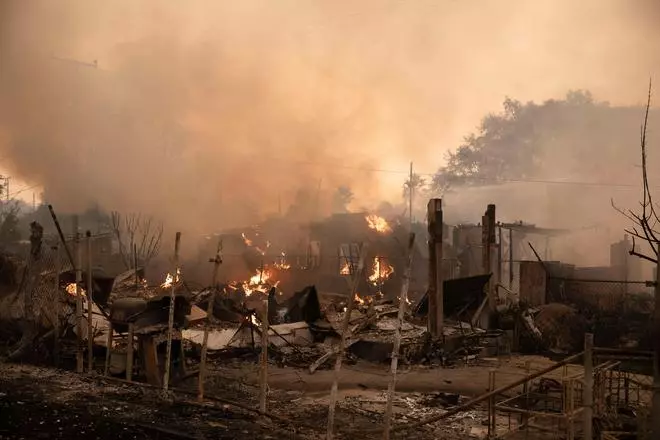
{"x":359,"y":300}
{"x":381,"y":271}
{"x":281,"y":263}
{"x":378,"y":224}
{"x":247,"y":241}
{"x":71,"y":290}
{"x":260,"y":282}
{"x":250,"y":243}
{"x":345,"y":269}
{"x":171,"y":279}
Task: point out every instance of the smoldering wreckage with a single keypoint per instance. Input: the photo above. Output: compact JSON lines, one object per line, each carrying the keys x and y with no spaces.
{"x":461,"y":307}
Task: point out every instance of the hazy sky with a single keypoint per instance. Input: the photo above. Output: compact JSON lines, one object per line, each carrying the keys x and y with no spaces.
{"x":206,"y":112}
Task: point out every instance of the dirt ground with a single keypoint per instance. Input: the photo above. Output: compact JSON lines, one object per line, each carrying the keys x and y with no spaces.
{"x":43,"y":403}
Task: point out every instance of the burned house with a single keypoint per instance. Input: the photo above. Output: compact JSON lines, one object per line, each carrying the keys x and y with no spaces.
{"x":335,"y":246}
{"x":324,"y":253}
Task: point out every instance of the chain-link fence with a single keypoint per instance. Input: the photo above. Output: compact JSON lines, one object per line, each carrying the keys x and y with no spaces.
{"x":623,"y":392}
{"x":617,"y":312}
{"x":604,"y":295}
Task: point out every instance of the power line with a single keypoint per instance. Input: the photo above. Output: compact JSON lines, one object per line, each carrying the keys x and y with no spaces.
{"x":22,"y":190}
{"x":484,"y":179}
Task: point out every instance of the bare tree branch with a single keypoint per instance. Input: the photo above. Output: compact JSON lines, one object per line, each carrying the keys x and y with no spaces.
{"x":137,"y":232}
{"x":648,"y":218}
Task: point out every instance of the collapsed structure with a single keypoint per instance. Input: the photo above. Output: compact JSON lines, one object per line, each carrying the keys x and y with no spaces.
{"x":495,"y":291}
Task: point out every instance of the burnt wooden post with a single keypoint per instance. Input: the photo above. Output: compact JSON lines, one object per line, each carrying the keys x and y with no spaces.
{"x":263,"y":373}
{"x":334,"y":390}
{"x":403,"y":300}
{"x":56,"y":307}
{"x":436,"y":275}
{"x":80,"y":360}
{"x":588,"y":390}
{"x":487,"y":242}
{"x":499,"y":254}
{"x":90,"y":305}
{"x":130,"y":352}
{"x":655,"y":405}
{"x":207,"y":326}
{"x":170,"y":321}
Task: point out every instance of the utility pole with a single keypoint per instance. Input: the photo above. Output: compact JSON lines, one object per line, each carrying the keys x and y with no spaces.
{"x":410,"y":196}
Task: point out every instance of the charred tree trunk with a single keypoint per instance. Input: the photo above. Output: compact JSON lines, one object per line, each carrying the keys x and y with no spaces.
{"x":27,"y":295}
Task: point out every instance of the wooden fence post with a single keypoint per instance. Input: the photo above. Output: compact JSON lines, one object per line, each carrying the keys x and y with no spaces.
{"x":80,"y":360}
{"x":655,"y":405}
{"x":130,"y":352}
{"x":170,"y":322}
{"x":90,"y":306}
{"x":264,"y":359}
{"x":209,"y":313}
{"x":56,"y":307}
{"x":342,"y":343}
{"x":403,"y":301}
{"x":588,"y":394}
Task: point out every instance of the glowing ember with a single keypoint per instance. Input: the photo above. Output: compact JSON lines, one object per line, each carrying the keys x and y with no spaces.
{"x":250,"y":243}
{"x":71,"y":290}
{"x":282,"y":264}
{"x":171,"y":279}
{"x":381,"y":271}
{"x":247,"y":241}
{"x":378,"y":224}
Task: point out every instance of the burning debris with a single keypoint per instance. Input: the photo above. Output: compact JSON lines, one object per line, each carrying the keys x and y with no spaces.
{"x":378,"y":224}
{"x":281,"y":262}
{"x":247,"y":241}
{"x":382,"y":271}
{"x":250,"y":243}
{"x":260,"y":282}
{"x":73,"y":289}
{"x":171,"y":279}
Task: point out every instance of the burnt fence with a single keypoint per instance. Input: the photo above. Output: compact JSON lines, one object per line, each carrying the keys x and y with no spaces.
{"x":602,"y":295}
{"x":618,"y":313}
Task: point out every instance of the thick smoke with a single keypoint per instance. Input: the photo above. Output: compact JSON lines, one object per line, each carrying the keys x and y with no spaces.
{"x":209,"y":114}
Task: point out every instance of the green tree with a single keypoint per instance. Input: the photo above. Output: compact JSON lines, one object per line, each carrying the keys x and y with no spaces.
{"x":522,"y":139}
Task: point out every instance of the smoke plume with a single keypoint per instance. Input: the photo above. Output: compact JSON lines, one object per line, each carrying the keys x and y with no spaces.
{"x":209,"y":114}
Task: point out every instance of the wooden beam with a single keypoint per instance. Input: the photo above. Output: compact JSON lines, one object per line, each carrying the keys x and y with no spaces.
{"x":488,"y":242}
{"x":436,"y":275}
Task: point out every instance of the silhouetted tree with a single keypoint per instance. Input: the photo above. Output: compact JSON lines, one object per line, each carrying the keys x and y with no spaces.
{"x":645,"y":220}
{"x":139,"y":234}
{"x":416,"y":182}
{"x":9,"y":227}
{"x":342,"y":198}
{"x":519,"y":142}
